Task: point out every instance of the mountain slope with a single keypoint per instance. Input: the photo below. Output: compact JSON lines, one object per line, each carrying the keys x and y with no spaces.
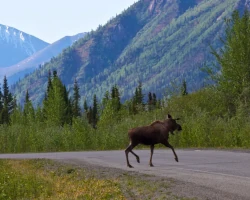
{"x":16,"y":45}
{"x":28,"y":65}
{"x":155,"y":42}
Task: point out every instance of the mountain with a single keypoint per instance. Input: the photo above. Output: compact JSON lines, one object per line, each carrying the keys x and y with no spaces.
{"x":16,"y":45}
{"x":28,"y":65}
{"x":157,"y":42}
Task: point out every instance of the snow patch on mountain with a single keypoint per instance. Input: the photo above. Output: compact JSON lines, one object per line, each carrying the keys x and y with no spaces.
{"x":17,"y":39}
{"x":16,"y":45}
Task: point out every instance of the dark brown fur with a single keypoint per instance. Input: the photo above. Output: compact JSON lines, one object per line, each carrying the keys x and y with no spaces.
{"x":157,"y":132}
{"x":160,"y":122}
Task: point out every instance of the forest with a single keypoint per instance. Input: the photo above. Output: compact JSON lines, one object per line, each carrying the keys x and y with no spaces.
{"x":216,"y":116}
{"x":168,"y":44}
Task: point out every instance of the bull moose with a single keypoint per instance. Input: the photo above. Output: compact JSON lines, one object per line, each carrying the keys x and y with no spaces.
{"x":155,"y":133}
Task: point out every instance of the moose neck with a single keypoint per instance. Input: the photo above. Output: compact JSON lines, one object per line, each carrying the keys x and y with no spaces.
{"x":168,"y":124}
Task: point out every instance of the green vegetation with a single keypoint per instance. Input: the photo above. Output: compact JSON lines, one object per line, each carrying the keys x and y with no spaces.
{"x":216,"y":116}
{"x":17,"y":183}
{"x":45,"y":179}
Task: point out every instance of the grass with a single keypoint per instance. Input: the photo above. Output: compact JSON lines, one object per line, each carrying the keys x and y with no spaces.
{"x":46,"y":179}
{"x":39,"y":179}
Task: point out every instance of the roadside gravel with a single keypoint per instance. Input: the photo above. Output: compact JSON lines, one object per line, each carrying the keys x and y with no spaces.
{"x":143,"y":186}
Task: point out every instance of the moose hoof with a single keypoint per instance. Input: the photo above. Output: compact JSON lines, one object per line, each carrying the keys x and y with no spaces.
{"x":151,"y":165}
{"x":130,"y":166}
{"x":138,"y":160}
{"x":176,"y":159}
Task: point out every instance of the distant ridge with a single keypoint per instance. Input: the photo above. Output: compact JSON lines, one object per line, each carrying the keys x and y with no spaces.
{"x":16,"y":45}
{"x":28,"y":65}
{"x":158,"y":42}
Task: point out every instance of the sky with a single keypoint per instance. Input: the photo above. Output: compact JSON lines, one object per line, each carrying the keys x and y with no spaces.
{"x":50,"y":20}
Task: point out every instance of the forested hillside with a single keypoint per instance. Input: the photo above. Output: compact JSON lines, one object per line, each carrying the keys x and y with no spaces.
{"x":215,"y":116}
{"x":159,"y":43}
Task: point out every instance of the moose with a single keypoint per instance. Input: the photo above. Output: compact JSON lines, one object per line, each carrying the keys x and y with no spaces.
{"x":155,"y":133}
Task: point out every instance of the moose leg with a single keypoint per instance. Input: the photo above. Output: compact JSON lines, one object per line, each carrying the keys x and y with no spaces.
{"x":166,"y":143}
{"x":129,"y":149}
{"x":151,"y":155}
{"x":137,"y":157}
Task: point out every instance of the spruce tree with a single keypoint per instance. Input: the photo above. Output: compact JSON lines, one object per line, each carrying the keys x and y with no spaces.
{"x":150,"y":101}
{"x":137,"y":101}
{"x":85,"y":106}
{"x":49,"y":85}
{"x":116,"y":100}
{"x":8,"y":103}
{"x":1,"y":106}
{"x":111,"y":108}
{"x":105,"y":99}
{"x":94,"y":112}
{"x":140,"y":95}
{"x":113,"y":92}
{"x":154,"y":99}
{"x":76,"y":98}
{"x":28,"y":111}
{"x":184,"y":88}
{"x":1,"y":100}
{"x":90,"y":115}
{"x":57,"y":105}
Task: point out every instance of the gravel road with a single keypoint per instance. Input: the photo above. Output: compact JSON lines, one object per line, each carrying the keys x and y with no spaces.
{"x":204,"y":174}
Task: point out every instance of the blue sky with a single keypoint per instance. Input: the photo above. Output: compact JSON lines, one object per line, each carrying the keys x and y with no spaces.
{"x":51,"y":20}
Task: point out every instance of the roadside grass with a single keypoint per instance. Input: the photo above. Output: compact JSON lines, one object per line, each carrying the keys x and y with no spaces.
{"x":40,"y":179}
{"x":46,"y":179}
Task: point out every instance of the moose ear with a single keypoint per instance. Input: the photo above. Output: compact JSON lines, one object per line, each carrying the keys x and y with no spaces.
{"x":169,"y":116}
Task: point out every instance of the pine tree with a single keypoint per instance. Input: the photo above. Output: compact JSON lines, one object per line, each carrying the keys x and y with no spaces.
{"x":17,"y":115}
{"x":28,"y":111}
{"x":105,"y":99}
{"x":154,"y":99}
{"x":137,"y":104}
{"x":150,"y":101}
{"x":27,"y":97}
{"x":140,"y":94}
{"x":8,"y":103}
{"x":49,"y":86}
{"x":184,"y":88}
{"x":57,"y":105}
{"x":54,"y":74}
{"x":39,"y":114}
{"x":76,"y":98}
{"x":95,"y":112}
{"x":1,"y":106}
{"x":69,"y":108}
{"x":85,"y":106}
{"x":113,"y":92}
{"x":116,"y":100}
{"x":1,"y":100}
{"x":111,"y":108}
{"x":90,"y":115}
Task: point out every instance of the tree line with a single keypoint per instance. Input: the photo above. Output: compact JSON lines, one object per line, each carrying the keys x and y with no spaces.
{"x":59,"y":108}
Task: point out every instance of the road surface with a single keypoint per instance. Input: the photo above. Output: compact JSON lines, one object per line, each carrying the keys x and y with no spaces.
{"x":223,"y":171}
